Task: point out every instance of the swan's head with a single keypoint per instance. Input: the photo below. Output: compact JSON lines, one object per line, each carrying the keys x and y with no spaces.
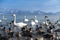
{"x":14,"y":14}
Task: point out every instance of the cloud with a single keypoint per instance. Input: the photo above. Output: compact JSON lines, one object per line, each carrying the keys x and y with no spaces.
{"x":46,"y":5}
{"x":52,"y":3}
{"x":51,"y":6}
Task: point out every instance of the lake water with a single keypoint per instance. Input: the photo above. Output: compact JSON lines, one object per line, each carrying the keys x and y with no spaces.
{"x":20,"y":18}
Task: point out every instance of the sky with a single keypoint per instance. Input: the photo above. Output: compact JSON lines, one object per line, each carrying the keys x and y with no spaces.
{"x":44,"y":5}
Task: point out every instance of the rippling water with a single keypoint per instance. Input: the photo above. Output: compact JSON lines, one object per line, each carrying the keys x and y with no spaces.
{"x":20,"y":18}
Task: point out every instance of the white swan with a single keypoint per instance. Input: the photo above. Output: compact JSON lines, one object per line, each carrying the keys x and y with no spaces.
{"x":20,"y":24}
{"x":33,"y":23}
{"x":3,"y":18}
{"x":35,"y":19}
{"x":45,"y":23}
{"x":25,"y":19}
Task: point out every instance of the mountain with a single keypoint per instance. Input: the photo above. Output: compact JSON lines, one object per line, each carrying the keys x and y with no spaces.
{"x":57,"y":13}
{"x":33,"y":13}
{"x":20,"y":12}
{"x":43,"y":13}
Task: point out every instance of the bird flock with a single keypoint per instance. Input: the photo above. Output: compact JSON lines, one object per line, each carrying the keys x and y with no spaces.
{"x":32,"y":29}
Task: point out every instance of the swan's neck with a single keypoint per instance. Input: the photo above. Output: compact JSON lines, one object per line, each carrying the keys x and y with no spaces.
{"x":14,"y":18}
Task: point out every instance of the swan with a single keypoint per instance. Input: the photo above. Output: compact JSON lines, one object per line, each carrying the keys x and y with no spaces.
{"x":33,"y":23}
{"x":46,"y":20}
{"x":45,"y":23}
{"x":20,"y":24}
{"x":35,"y":19}
{"x":3,"y":18}
{"x":25,"y":19}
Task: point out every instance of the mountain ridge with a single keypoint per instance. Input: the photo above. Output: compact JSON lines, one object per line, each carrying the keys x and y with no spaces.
{"x":38,"y":12}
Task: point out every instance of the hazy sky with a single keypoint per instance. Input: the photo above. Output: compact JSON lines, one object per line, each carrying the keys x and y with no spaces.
{"x":45,"y":5}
